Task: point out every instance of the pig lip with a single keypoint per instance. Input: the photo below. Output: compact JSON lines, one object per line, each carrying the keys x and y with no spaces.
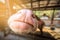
{"x":24,"y":22}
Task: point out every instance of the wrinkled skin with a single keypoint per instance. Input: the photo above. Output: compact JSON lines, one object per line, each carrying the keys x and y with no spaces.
{"x":23,"y":22}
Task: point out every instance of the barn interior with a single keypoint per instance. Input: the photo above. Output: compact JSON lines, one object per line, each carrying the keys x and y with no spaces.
{"x":51,"y":8}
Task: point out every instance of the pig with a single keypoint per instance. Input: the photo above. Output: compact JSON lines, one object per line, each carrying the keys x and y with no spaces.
{"x":23,"y":22}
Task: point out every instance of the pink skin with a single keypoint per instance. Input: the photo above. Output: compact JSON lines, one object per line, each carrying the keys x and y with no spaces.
{"x":18,"y":22}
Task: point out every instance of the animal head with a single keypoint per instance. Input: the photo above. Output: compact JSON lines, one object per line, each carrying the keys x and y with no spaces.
{"x":23,"y":21}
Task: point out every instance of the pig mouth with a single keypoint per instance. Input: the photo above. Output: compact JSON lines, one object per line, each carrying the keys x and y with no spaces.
{"x":25,"y":22}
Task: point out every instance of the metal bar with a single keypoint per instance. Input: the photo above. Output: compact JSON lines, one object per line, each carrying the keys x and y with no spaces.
{"x":47,"y":2}
{"x":39,"y":0}
{"x":47,"y":7}
{"x":31,"y":5}
{"x":52,"y":19}
{"x":38,"y":4}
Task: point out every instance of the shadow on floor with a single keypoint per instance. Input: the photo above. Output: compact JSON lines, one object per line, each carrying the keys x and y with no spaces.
{"x":45,"y":36}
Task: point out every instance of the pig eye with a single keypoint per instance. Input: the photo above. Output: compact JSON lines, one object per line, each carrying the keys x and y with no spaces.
{"x":33,"y":16}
